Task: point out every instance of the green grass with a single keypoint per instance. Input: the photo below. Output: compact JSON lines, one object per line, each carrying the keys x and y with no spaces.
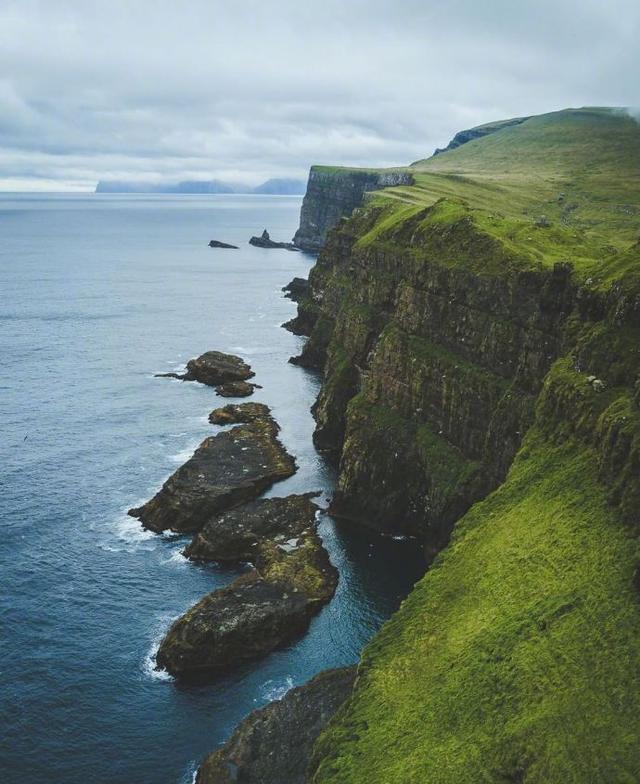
{"x":578,"y":168}
{"x":517,"y":657}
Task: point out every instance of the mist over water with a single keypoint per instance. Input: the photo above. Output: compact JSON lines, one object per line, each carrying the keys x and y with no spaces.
{"x":98,"y":293}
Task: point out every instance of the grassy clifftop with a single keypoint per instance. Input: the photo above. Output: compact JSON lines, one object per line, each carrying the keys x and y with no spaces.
{"x":492,"y":310}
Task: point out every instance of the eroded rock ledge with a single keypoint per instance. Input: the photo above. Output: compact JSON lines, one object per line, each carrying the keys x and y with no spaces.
{"x":273,"y":744}
{"x":226,"y":470}
{"x":263,"y":609}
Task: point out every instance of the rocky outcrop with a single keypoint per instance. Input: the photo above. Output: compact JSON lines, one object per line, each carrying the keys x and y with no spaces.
{"x":219,"y":244}
{"x":226,"y":372}
{"x":260,"y":611}
{"x":273,"y":744}
{"x":227,"y":469}
{"x":238,"y":413}
{"x":265,"y":241}
{"x":238,"y":534}
{"x":333,"y":193}
{"x":462,"y":137}
{"x":296,"y":289}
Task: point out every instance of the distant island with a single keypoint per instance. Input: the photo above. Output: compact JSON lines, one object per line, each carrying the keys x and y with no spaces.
{"x":277,"y":187}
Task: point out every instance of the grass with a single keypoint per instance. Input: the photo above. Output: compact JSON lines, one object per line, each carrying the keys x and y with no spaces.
{"x":577,"y":168}
{"x":517,"y":657}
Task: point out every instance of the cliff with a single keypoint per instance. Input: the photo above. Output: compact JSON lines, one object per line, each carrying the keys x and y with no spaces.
{"x":333,"y":193}
{"x":479,"y":336}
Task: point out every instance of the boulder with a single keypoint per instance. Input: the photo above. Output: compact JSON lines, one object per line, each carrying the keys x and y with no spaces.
{"x":237,"y":413}
{"x":216,"y":369}
{"x":296,"y":289}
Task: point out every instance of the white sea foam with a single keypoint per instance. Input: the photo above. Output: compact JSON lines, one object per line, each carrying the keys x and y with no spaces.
{"x":149,"y":662}
{"x":275,"y":689}
{"x":176,"y":558}
{"x":184,"y":454}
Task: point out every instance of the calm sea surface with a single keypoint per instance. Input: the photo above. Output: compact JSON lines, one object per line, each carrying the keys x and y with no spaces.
{"x":98,"y":293}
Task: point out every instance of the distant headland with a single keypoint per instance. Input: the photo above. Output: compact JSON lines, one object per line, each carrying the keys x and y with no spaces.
{"x":275,"y":187}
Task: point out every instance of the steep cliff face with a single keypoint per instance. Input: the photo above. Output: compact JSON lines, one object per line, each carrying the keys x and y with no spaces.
{"x":431,"y":366}
{"x":333,"y":193}
{"x":482,"y":389}
{"x":468,"y":135}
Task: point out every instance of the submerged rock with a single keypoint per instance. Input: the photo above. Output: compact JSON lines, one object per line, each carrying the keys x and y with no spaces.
{"x":218,"y":244}
{"x":265,"y":241}
{"x":227,"y":469}
{"x":216,"y":369}
{"x":273,"y":745}
{"x":235,"y":535}
{"x":259,"y":612}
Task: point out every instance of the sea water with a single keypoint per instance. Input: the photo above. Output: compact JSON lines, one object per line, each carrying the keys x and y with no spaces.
{"x":97,"y":294}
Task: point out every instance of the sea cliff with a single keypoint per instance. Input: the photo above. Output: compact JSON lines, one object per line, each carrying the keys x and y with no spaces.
{"x":479,"y":338}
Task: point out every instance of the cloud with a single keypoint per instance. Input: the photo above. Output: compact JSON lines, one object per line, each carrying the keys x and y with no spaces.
{"x":245,"y":91}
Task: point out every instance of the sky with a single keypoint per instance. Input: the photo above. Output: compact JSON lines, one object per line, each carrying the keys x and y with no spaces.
{"x":242,"y":91}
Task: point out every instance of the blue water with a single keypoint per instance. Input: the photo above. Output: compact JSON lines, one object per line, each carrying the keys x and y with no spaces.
{"x":97,"y":293}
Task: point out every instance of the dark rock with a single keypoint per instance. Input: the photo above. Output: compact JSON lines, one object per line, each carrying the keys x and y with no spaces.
{"x":273,"y":744}
{"x":235,"y":535}
{"x":296,"y":289}
{"x":334,"y":193}
{"x":264,"y":241}
{"x":214,"y":368}
{"x":226,"y":470}
{"x":236,"y":389}
{"x":256,"y":614}
{"x":238,"y":413}
{"x":218,"y":244}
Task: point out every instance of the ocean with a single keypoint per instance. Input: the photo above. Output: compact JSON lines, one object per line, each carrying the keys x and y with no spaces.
{"x":98,"y":293}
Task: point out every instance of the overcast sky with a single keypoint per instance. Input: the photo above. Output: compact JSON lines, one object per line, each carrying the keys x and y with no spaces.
{"x":243,"y":91}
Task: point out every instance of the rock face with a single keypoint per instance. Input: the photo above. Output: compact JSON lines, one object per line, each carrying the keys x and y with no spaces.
{"x":273,"y":744}
{"x":264,"y":241}
{"x":296,"y":289}
{"x":260,"y":611}
{"x":226,"y":470}
{"x":431,"y":371}
{"x":237,"y":534}
{"x":333,"y":193}
{"x":218,"y":244}
{"x":226,"y":372}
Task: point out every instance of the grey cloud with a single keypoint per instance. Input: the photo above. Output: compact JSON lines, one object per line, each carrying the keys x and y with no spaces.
{"x":166,"y":90}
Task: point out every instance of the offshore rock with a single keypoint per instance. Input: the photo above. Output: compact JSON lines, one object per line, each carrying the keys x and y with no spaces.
{"x":227,"y":469}
{"x":264,"y":241}
{"x":273,"y":744}
{"x":236,"y":389}
{"x":235,"y":535}
{"x":259,"y":612}
{"x":215,"y":369}
{"x":218,"y":244}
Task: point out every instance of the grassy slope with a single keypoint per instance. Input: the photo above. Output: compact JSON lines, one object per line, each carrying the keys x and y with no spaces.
{"x":517,"y":657}
{"x":519,"y":651}
{"x":579,"y":168}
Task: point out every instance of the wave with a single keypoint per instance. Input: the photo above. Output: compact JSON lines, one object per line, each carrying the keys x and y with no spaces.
{"x":275,"y":689}
{"x":148,"y":667}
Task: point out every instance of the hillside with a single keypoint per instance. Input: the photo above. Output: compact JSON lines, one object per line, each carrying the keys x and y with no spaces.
{"x":479,"y":335}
